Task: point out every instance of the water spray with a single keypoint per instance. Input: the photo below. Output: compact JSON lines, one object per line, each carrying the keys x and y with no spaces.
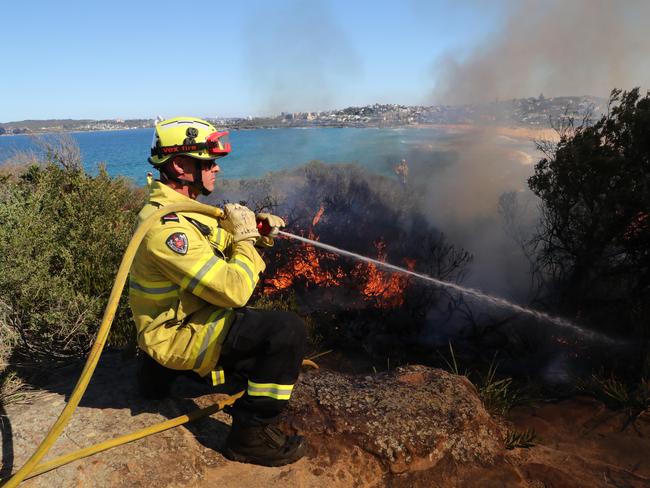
{"x":499,"y":302}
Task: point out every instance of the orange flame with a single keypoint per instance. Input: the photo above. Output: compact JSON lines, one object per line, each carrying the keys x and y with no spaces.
{"x":318,"y":215}
{"x":305,"y":265}
{"x":385,"y":290}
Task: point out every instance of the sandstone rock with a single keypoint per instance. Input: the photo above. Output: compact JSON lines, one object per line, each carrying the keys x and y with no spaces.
{"x":409,"y":418}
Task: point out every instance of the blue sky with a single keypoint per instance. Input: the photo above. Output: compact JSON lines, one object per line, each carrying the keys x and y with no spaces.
{"x":82,"y":59}
{"x":119,"y":59}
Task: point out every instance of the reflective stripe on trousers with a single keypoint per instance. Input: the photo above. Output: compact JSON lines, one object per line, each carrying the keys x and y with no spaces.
{"x":272,"y":390}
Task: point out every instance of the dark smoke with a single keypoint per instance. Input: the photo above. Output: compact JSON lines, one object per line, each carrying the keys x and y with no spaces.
{"x":555,"y":47}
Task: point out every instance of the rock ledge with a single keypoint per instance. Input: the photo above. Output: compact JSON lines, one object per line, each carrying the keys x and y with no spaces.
{"x":410,"y":418}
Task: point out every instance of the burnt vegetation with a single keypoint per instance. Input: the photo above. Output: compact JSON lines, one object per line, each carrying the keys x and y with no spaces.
{"x":352,"y":304}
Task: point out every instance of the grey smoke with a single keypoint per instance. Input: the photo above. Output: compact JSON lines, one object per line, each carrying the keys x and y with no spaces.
{"x":297,"y":56}
{"x":577,"y":47}
{"x":460,"y":185}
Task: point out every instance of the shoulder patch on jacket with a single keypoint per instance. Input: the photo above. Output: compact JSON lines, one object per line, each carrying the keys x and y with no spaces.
{"x":203,"y":229}
{"x":177,"y":242}
{"x":170,"y":217}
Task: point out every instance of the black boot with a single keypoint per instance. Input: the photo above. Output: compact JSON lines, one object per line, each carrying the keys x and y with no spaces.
{"x":154,"y":380}
{"x":265,"y":445}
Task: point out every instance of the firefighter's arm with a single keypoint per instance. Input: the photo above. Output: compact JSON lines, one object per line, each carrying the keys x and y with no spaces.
{"x":221,"y":239}
{"x":186,"y":258}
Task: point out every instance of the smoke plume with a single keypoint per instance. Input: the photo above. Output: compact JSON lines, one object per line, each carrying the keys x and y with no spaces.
{"x":297,"y":56}
{"x":460,"y":185}
{"x":581,"y":47}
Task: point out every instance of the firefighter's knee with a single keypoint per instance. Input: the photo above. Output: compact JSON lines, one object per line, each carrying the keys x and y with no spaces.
{"x":291,"y":333}
{"x":296,"y":330}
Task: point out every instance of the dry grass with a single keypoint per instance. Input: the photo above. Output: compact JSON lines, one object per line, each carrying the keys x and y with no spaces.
{"x":13,"y":389}
{"x":8,"y":335}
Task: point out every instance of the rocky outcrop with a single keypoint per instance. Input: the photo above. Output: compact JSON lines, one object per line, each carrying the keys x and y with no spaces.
{"x":409,"y":419}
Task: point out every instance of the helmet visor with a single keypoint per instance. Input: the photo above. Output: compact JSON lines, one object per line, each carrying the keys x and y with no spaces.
{"x":218,"y":143}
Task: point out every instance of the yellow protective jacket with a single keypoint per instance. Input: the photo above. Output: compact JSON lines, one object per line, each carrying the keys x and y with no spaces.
{"x":187,"y":277}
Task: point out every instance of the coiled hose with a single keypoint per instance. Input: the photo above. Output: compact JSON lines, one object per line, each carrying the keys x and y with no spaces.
{"x":31,"y":468}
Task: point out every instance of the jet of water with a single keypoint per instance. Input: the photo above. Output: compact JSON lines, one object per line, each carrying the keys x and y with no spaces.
{"x":499,"y":302}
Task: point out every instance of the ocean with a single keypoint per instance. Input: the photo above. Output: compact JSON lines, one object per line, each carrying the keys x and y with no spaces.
{"x":257,"y":152}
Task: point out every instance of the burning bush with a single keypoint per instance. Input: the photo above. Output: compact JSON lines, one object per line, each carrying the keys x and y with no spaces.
{"x":371,"y":215}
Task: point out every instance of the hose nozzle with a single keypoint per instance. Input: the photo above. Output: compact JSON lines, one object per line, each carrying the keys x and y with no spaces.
{"x":265,"y":229}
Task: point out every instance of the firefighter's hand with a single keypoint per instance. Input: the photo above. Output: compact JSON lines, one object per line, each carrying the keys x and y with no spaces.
{"x":240,"y":222}
{"x":273,"y":222}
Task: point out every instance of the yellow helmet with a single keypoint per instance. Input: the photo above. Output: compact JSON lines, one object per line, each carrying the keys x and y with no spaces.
{"x":189,"y":136}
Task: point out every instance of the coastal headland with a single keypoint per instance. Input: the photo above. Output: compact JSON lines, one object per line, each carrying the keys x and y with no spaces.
{"x":518,"y":118}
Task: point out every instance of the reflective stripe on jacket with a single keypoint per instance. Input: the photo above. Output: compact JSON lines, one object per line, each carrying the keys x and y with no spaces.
{"x":186,"y":278}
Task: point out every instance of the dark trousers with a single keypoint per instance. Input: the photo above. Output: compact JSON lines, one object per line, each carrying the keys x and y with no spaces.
{"x":263,"y":347}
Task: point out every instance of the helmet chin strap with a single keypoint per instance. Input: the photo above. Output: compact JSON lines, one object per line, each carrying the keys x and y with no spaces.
{"x":196,"y":184}
{"x":198,"y":177}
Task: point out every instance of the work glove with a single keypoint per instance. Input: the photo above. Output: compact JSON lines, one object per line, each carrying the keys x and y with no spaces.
{"x":240,"y":222}
{"x":272,"y":221}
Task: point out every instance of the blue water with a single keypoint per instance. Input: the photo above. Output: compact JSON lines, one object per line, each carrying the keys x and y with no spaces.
{"x":255,"y":152}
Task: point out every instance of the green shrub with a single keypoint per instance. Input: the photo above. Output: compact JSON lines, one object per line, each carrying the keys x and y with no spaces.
{"x":62,"y":236}
{"x":498,"y":394}
{"x":618,"y":394}
{"x":594,"y":232}
{"x":452,"y":362}
{"x":521,"y":439}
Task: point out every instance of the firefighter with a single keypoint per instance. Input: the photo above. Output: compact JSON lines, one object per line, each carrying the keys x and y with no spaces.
{"x":402,"y":171}
{"x":188,"y":288}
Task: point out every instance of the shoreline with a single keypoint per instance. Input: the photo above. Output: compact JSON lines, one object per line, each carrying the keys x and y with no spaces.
{"x":40,"y":133}
{"x":517,"y":132}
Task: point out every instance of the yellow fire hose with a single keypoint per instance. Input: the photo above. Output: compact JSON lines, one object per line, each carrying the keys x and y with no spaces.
{"x":133,"y":436}
{"x":31,"y":468}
